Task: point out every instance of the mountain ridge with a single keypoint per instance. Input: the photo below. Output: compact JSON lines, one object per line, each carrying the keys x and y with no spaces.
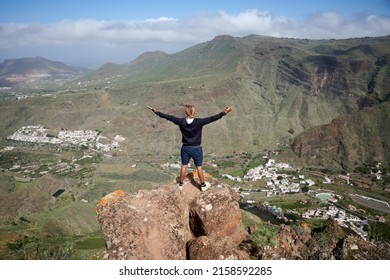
{"x":20,"y":70}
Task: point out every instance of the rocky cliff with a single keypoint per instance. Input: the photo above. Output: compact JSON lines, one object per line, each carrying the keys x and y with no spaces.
{"x":329,"y":242}
{"x":168,"y":223}
{"x":348,"y":140}
{"x":172,"y":224}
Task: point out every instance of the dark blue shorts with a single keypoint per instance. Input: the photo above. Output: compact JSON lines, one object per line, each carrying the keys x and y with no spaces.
{"x":194,"y":152}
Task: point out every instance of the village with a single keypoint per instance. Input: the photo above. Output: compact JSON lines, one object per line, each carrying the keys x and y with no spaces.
{"x":283,"y":179}
{"x":341,"y":216}
{"x":280,"y":183}
{"x":277,"y":183}
{"x":89,"y":142}
{"x":39,"y":134}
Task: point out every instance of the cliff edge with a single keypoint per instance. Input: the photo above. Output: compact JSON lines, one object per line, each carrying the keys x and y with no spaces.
{"x":166,"y":223}
{"x":171,"y":224}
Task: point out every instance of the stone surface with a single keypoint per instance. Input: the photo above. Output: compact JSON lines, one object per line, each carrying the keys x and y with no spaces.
{"x":216,"y":214}
{"x":215,"y":248}
{"x":166,"y":222}
{"x":171,"y":224}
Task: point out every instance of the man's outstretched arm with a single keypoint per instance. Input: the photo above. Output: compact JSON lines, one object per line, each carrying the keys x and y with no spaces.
{"x":217,"y":116}
{"x":173,"y":119}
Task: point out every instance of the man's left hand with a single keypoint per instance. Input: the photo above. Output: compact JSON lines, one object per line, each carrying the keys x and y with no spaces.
{"x":152,"y":109}
{"x":228,"y":109}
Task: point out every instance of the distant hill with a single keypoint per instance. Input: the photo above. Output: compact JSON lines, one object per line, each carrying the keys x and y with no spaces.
{"x":33,"y":69}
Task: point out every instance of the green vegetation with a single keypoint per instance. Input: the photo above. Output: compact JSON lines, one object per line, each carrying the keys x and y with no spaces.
{"x":300,"y":202}
{"x":238,"y":165}
{"x":57,"y":219}
{"x":54,"y":248}
{"x":265,"y":233}
{"x":226,"y":163}
{"x":379,"y":231}
{"x":90,"y":243}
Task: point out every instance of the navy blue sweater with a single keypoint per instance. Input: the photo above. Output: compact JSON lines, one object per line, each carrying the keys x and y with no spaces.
{"x":191,"y":133}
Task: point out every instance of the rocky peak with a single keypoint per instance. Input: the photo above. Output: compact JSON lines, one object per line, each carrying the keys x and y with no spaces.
{"x":151,"y":55}
{"x":168,"y":223}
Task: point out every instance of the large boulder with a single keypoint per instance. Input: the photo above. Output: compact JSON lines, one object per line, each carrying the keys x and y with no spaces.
{"x":168,"y":223}
{"x":217,"y":214}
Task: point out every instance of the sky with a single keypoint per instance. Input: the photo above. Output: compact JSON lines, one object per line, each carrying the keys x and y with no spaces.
{"x":89,"y":33}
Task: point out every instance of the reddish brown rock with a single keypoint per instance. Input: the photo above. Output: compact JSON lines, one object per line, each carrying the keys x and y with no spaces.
{"x":146,"y":225}
{"x":158,"y":224}
{"x":216,"y":213}
{"x":348,"y":140}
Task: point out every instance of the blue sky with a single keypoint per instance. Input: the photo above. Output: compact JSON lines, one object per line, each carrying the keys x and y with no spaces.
{"x":90,"y":33}
{"x":49,"y":11}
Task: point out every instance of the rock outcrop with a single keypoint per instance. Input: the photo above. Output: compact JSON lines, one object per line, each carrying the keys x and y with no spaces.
{"x":329,"y":242}
{"x":171,"y":224}
{"x":168,"y":223}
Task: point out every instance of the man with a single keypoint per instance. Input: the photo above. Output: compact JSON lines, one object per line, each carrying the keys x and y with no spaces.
{"x":191,"y":130}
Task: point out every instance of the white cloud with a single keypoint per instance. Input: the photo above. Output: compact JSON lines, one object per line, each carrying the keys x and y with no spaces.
{"x":170,"y":34}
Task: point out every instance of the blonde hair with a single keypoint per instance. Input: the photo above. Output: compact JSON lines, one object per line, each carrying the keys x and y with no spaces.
{"x":190,"y":110}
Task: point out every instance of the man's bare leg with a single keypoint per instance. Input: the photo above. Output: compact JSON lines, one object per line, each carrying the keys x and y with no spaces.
{"x":199,"y":169}
{"x":183,"y":171}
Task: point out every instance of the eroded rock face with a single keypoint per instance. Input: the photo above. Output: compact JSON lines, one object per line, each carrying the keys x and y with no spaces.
{"x":147,"y":225}
{"x":167,"y":223}
{"x":355,"y":248}
{"x":217,"y":214}
{"x":329,"y":242}
{"x":348,"y":140}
